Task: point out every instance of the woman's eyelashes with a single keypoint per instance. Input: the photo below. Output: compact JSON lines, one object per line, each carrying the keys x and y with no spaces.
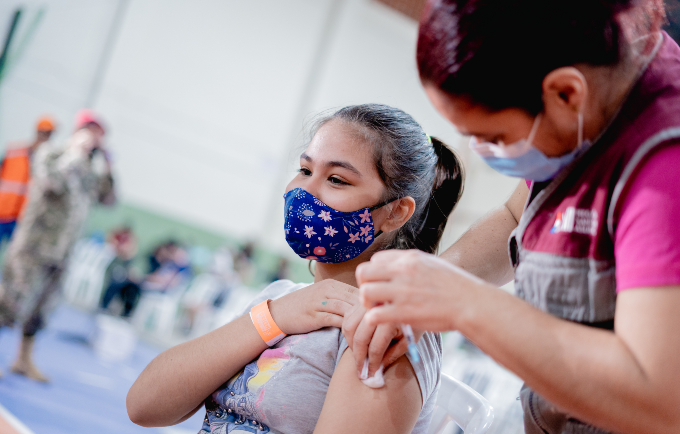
{"x":496,"y":140}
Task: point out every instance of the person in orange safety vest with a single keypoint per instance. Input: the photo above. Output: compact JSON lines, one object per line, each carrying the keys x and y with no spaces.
{"x":15,"y":174}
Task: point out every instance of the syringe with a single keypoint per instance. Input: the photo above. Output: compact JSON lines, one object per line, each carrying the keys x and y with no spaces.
{"x":412,"y":346}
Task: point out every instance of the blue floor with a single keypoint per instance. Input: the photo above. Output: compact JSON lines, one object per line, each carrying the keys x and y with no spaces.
{"x":86,"y":395}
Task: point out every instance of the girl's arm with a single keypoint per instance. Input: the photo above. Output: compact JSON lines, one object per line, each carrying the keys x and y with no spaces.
{"x":351,"y":406}
{"x":175,"y":384}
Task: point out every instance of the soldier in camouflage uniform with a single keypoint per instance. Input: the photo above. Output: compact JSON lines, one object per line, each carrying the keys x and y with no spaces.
{"x":64,"y":185}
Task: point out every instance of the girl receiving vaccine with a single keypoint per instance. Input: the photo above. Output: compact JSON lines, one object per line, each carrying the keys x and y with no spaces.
{"x":370,"y":179}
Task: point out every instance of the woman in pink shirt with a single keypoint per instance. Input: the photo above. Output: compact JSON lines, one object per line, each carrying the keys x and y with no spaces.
{"x":582,"y":98}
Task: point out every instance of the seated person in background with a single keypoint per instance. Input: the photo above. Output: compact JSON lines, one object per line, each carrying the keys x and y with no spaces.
{"x":160,"y":254}
{"x":244,"y":263}
{"x":222,"y":269}
{"x":282,"y":270}
{"x":368,"y":180}
{"x":122,"y":277}
{"x":173,"y":269}
{"x":209,"y":291}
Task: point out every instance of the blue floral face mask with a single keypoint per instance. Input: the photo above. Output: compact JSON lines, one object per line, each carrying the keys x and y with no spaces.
{"x":316,"y":231}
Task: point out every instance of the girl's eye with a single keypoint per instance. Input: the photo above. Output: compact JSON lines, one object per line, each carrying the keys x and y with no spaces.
{"x":337,"y":181}
{"x":305,"y":171}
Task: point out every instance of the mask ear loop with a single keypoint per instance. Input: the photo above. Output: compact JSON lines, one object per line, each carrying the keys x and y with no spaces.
{"x":534,"y":128}
{"x":580,"y":130}
{"x":380,"y":205}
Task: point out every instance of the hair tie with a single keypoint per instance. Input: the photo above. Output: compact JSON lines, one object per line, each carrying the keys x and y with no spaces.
{"x":429,"y":139}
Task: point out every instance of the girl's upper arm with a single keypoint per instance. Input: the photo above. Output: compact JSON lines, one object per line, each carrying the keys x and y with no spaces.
{"x":351,"y":406}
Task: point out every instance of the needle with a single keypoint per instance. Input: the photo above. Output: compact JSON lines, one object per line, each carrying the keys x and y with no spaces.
{"x":412,"y":346}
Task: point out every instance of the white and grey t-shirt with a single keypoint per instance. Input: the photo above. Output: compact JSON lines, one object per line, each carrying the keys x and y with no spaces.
{"x":284,"y":389}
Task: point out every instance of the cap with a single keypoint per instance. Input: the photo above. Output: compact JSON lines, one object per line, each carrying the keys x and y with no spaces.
{"x":86,"y":116}
{"x":45,"y":123}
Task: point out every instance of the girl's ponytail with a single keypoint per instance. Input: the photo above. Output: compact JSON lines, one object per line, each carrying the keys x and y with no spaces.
{"x":446,"y":192}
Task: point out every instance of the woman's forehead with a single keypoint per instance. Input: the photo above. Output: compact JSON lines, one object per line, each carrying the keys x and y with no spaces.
{"x":472,"y":119}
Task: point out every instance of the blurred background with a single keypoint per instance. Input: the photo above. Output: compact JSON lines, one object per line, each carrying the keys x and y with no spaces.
{"x":204,"y":104}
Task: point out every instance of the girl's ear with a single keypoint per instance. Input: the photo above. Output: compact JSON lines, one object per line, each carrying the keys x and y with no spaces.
{"x":399,"y":212}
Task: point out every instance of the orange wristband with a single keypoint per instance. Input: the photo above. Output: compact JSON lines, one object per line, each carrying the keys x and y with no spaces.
{"x":262,"y":319}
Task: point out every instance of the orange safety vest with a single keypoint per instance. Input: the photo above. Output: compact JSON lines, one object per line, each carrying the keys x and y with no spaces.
{"x":14,"y":177}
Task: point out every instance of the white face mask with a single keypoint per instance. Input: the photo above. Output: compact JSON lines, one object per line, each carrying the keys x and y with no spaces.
{"x":522,"y":160}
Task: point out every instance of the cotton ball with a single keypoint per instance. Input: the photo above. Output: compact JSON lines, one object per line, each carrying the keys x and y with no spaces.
{"x":377,"y":380}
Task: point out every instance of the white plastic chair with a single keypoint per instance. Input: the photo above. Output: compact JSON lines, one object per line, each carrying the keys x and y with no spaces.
{"x":199,"y":298}
{"x":156,"y":313}
{"x":239,"y":298}
{"x":459,"y":403}
{"x":84,"y":280}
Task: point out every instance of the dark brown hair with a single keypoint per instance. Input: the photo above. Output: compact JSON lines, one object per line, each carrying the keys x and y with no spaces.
{"x":497,"y":52}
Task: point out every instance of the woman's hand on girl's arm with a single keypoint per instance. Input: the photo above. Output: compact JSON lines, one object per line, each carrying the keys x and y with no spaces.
{"x":382,"y":344}
{"x":416,"y":288}
{"x":352,"y":407}
{"x":482,"y":251}
{"x":624,"y":381}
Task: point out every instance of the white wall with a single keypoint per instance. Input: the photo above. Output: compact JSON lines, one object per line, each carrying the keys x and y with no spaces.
{"x":205,"y":99}
{"x":54,"y":73}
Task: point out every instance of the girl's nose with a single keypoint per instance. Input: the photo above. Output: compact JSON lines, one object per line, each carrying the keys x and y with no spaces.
{"x":309,"y":184}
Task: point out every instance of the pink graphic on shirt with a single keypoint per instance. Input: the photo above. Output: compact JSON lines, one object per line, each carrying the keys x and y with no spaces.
{"x":269,"y":363}
{"x":242,"y":395}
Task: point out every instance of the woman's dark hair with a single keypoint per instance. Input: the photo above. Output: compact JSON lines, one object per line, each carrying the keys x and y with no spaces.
{"x":497,"y":52}
{"x":410,"y":163}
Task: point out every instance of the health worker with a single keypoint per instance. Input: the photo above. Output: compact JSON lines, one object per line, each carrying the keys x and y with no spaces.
{"x":580,"y":99}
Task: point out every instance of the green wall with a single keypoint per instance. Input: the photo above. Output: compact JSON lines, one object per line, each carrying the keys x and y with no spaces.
{"x":152,"y":228}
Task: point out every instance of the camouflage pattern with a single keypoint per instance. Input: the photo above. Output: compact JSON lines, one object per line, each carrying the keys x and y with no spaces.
{"x":65,"y":183}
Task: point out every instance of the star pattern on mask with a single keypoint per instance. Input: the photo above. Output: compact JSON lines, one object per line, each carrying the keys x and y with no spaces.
{"x":309,"y":231}
{"x":365,"y":230}
{"x":325,"y":215}
{"x":366,"y":216}
{"x":353,"y":237}
{"x":330,"y":231}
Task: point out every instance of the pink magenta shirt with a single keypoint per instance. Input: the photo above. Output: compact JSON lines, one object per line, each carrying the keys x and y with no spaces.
{"x":647,"y":237}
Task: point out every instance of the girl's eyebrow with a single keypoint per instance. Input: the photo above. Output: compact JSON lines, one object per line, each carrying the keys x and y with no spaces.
{"x":343,"y":164}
